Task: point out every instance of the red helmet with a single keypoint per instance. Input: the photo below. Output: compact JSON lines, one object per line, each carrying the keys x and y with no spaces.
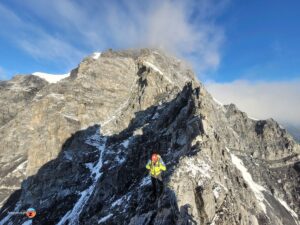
{"x":154,"y":157}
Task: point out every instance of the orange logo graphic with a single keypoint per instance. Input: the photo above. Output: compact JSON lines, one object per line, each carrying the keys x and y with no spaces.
{"x":30,"y":213}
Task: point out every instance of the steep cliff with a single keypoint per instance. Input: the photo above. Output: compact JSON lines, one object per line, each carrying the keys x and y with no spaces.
{"x":87,"y":138}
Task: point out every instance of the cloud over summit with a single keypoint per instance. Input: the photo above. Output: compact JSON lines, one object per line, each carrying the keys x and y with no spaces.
{"x":76,"y":28}
{"x":262,"y":100}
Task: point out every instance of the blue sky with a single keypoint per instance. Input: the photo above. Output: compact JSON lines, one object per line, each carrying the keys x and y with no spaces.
{"x":262,"y":41}
{"x":230,"y":43}
{"x":253,"y":40}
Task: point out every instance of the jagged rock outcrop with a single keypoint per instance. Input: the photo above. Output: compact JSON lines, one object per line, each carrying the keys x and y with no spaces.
{"x":87,"y":139}
{"x":15,"y":95}
{"x":294,"y":130}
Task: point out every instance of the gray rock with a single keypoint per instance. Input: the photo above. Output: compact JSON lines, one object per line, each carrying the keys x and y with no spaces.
{"x":87,"y":138}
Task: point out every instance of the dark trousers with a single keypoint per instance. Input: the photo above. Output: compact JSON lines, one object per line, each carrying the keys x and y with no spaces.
{"x":157,"y":185}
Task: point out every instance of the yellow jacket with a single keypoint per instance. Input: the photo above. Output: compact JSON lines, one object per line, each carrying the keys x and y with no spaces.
{"x":157,"y":168}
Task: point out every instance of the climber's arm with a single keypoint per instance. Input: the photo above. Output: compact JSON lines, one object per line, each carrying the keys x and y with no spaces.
{"x":148,"y":166}
{"x":162,"y":165}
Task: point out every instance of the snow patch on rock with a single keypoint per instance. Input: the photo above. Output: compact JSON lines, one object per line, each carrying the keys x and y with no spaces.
{"x":285,"y":205}
{"x":51,"y":78}
{"x":20,"y":167}
{"x":252,"y":118}
{"x":213,"y":222}
{"x":96,"y":55}
{"x":125,"y":143}
{"x":156,"y":115}
{"x":218,"y":102}
{"x":6,"y":218}
{"x":216,"y":192}
{"x":156,"y":69}
{"x":28,"y":222}
{"x":105,"y":218}
{"x":71,"y":117}
{"x":153,"y":67}
{"x":122,"y":201}
{"x":56,"y":96}
{"x":145,"y":181}
{"x":120,"y":159}
{"x":72,"y":216}
{"x":196,"y":167}
{"x":256,"y":188}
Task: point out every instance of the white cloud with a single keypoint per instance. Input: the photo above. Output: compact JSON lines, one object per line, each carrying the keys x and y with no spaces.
{"x":262,"y":100}
{"x":169,"y":27}
{"x":77,"y":27}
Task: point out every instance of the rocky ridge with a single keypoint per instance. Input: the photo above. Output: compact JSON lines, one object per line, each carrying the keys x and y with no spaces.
{"x":86,"y":139}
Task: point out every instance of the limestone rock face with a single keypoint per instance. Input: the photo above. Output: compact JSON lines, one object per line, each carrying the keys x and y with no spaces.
{"x":81,"y":145}
{"x":16,"y":94}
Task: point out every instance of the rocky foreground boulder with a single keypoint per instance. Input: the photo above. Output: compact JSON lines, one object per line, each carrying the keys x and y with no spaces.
{"x":76,"y":150}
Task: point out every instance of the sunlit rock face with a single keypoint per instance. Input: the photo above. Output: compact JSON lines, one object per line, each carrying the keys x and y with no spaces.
{"x":76,"y":150}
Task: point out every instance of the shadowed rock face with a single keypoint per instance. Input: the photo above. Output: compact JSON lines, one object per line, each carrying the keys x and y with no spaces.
{"x":81,"y":146}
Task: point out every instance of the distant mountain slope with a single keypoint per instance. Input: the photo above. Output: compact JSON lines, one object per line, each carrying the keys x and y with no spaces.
{"x":294,"y":131}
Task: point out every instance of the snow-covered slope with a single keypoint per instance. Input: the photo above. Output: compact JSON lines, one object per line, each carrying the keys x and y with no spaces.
{"x":51,"y":78}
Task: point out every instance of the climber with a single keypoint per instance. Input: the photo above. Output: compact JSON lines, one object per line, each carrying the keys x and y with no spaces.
{"x":155,"y":167}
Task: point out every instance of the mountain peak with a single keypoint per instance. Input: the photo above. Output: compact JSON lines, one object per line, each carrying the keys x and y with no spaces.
{"x":81,"y":146}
